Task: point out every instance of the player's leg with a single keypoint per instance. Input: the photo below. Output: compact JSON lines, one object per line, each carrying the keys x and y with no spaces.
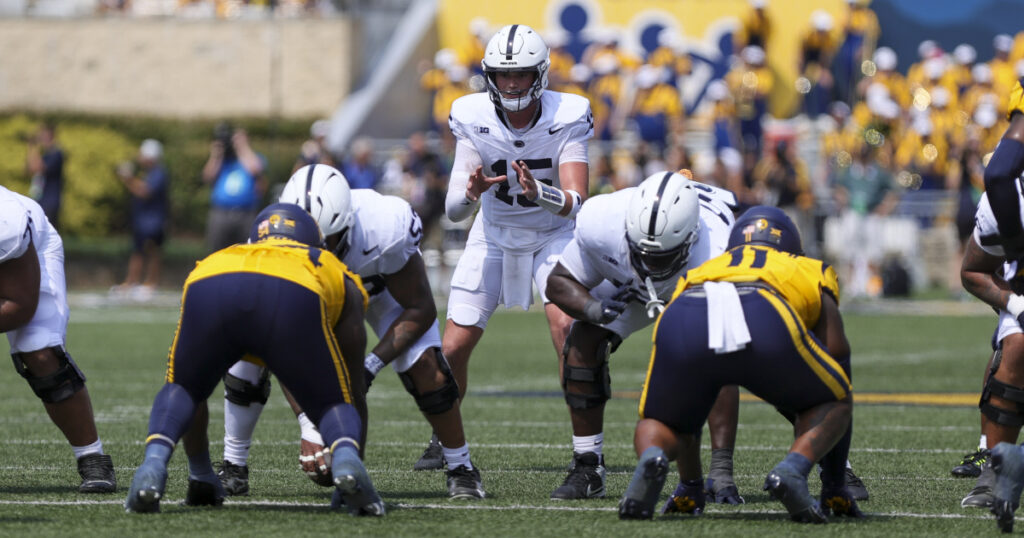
{"x":306,"y":356}
{"x":199,"y":356}
{"x":787,"y":366}
{"x":246,"y":391}
{"x":587,"y":386}
{"x":432,"y":385}
{"x":656,"y":446}
{"x":1002,"y":401}
{"x":475,"y":288}
{"x":999,"y":424}
{"x":56,"y":380}
{"x":971,"y":464}
{"x":817,"y":430}
{"x":680,"y":390}
{"x":204,"y":486}
{"x":720,"y":486}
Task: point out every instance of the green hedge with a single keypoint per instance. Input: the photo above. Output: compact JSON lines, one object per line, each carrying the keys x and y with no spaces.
{"x":95,"y":203}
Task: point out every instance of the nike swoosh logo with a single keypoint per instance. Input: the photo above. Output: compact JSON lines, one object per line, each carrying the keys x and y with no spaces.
{"x":369,"y":250}
{"x":554,"y":130}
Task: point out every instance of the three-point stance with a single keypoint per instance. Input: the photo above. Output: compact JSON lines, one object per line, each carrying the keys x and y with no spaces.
{"x":286,"y":300}
{"x":662,"y":227}
{"x":764,"y":317}
{"x":378,"y":238}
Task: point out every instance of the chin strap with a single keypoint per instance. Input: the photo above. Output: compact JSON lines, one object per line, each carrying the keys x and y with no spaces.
{"x":655,"y":306}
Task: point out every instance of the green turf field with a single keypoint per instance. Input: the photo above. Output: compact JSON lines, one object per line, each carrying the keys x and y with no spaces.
{"x":519,"y":433}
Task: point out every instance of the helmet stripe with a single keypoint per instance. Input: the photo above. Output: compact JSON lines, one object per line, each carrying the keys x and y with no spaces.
{"x":309,"y":186}
{"x":511,"y":39}
{"x":657,"y":202}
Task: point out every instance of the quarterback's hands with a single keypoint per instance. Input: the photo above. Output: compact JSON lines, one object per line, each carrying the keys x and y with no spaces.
{"x":479,"y":183}
{"x":526,"y":180}
{"x":606,"y":310}
{"x":316,"y":463}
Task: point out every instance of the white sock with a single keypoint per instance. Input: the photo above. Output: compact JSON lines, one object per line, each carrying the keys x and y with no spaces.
{"x":588,"y":443}
{"x":457,"y":456}
{"x":94,"y":448}
{"x":239,"y":423}
{"x":983,"y":442}
{"x":848,"y":466}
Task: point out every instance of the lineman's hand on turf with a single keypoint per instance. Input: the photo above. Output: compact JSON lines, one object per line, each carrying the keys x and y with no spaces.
{"x":316,"y":463}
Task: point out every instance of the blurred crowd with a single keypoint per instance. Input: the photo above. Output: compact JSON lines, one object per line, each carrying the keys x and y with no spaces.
{"x":880,"y":168}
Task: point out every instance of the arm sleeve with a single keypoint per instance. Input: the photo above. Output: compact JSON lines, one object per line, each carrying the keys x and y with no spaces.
{"x":456,"y":205}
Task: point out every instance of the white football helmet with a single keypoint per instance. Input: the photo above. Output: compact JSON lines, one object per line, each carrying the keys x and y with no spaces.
{"x":516,"y":47}
{"x":662,"y":224}
{"x":323,"y":192}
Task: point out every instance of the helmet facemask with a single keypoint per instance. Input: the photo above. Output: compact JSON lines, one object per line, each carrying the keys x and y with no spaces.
{"x":648,"y":261}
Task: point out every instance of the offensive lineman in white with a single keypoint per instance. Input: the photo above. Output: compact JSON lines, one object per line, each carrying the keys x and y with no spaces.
{"x":662,"y":227}
{"x":378,"y":238}
{"x":988,"y":274}
{"x":34,"y":314}
{"x":522,"y":156}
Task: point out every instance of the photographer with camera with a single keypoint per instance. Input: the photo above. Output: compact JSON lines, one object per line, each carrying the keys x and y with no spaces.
{"x":236,"y":172}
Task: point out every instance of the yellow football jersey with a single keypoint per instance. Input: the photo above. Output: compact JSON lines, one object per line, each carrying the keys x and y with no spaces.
{"x":1016,"y":103}
{"x":315,"y":269}
{"x":798,"y":279}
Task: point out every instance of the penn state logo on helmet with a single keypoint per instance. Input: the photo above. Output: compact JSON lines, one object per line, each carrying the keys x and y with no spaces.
{"x":767,"y":226}
{"x":287,"y":221}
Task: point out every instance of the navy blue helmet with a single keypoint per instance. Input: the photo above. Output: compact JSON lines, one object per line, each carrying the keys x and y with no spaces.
{"x":288,"y":221}
{"x":768,"y":226}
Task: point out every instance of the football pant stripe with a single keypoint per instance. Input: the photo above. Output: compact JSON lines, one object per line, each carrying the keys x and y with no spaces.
{"x":820,"y":362}
{"x":336,"y":356}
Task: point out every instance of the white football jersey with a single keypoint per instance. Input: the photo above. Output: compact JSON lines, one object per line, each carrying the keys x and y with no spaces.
{"x":564,"y":118}
{"x":385,"y":233}
{"x":986,"y":230}
{"x":599,"y":250}
{"x":22,"y":222}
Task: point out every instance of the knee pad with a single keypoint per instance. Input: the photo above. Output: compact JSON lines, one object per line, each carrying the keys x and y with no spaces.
{"x":58,"y":386}
{"x":439,"y":400}
{"x":994,"y":387}
{"x":241,"y":392}
{"x":597,"y":376}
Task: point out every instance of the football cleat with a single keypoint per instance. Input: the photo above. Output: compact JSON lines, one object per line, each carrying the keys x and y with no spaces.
{"x":586,"y":479}
{"x":1008,"y":465}
{"x":788,"y":487}
{"x":234,"y":478}
{"x":147,"y":487}
{"x":203,"y":493}
{"x":970,"y":465}
{"x":981,"y":496}
{"x":856,"y":486}
{"x":432,"y":458}
{"x":353,"y":488}
{"x":465,"y":483}
{"x":839,"y":501}
{"x":97,"y":472}
{"x":645,"y":486}
{"x":686,"y":499}
{"x":722,"y":491}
